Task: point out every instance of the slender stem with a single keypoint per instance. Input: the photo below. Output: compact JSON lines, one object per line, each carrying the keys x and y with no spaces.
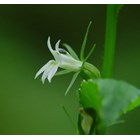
{"x":110,"y":40}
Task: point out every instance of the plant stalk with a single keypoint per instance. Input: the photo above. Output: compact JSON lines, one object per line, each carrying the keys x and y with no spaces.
{"x":110,"y":40}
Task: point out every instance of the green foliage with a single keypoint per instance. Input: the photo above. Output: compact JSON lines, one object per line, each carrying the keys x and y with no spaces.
{"x":62,"y":72}
{"x":87,"y":98}
{"x":72,"y":82}
{"x":69,"y":117}
{"x":90,"y":52}
{"x":109,"y":98}
{"x":84,"y":43}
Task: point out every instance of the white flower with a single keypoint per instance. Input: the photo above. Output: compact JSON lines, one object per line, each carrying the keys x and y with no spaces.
{"x":62,"y":59}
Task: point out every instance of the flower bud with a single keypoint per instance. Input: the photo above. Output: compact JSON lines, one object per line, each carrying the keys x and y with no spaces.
{"x":89,"y":71}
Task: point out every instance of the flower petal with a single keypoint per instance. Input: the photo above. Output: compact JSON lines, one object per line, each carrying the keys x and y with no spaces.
{"x":49,"y":45}
{"x":63,"y":51}
{"x":43,"y":68}
{"x":46,"y":73}
{"x":44,"y":76}
{"x":48,"y":70}
{"x":52,"y":72}
{"x":68,"y":62}
{"x":56,"y":56}
{"x":57,"y":45}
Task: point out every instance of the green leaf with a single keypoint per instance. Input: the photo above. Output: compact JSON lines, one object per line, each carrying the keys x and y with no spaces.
{"x":71,"y":51}
{"x":87,"y":98}
{"x":110,"y":98}
{"x":72,"y":82}
{"x":69,"y":117}
{"x":84,"y":43}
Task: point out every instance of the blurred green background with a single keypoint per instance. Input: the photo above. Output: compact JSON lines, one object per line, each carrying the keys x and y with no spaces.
{"x":29,"y":107}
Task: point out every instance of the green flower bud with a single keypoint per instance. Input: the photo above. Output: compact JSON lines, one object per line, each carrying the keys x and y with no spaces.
{"x":89,"y":71}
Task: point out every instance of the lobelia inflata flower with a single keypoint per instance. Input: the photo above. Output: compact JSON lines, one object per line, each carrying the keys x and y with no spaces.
{"x":63,"y":59}
{"x":70,"y":62}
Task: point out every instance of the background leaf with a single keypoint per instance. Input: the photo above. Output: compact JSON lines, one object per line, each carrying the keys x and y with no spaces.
{"x":117,"y":97}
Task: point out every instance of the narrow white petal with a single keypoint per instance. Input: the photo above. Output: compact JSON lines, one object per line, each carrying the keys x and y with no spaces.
{"x":56,"y":56}
{"x":57,"y":45}
{"x":43,"y":68}
{"x":48,"y":70}
{"x":49,"y":45}
{"x":52,"y":72}
{"x":44,"y":76}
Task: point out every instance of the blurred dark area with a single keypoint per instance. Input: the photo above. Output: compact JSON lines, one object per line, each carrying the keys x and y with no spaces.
{"x":29,"y":107}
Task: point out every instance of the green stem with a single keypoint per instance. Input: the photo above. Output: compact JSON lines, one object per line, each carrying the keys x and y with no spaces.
{"x":110,"y":40}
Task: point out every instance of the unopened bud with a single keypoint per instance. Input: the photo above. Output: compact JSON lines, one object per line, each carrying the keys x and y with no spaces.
{"x":89,"y":71}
